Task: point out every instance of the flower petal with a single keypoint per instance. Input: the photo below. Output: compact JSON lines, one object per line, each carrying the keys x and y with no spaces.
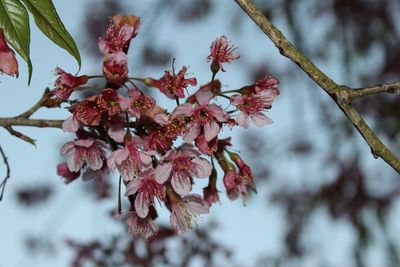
{"x":260,"y":119}
{"x":162,"y":172}
{"x":203,"y":167}
{"x":194,"y":131}
{"x":70,"y":125}
{"x":185,"y":109}
{"x":243,"y":120}
{"x":196,"y":204}
{"x":181,"y":184}
{"x":211,"y":130}
{"x":142,"y":203}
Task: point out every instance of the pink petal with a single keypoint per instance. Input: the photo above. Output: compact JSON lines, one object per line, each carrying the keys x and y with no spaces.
{"x":142,"y":203}
{"x":236,"y":100}
{"x":94,"y":160}
{"x":117,"y":157}
{"x":181,"y":184}
{"x":196,"y":204}
{"x":162,"y":172}
{"x":124,"y":103}
{"x":75,"y":162}
{"x":179,"y":226}
{"x":188,"y":150}
{"x":103,"y":45}
{"x":116,"y":133}
{"x":218,"y":112}
{"x":204,"y":96}
{"x":194,"y":131}
{"x":260,"y":119}
{"x":161,"y":118}
{"x":211,"y":130}
{"x":145,"y":157}
{"x":184,"y":110}
{"x":132,"y":187}
{"x":70,"y":125}
{"x":203,"y":167}
{"x":84,"y":142}
{"x":243,"y":120}
{"x":67,"y":147}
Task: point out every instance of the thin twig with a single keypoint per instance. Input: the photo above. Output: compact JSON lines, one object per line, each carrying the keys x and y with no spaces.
{"x":8,"y":171}
{"x":19,"y":135}
{"x":46,"y":96}
{"x":392,"y":88}
{"x":342,"y":95}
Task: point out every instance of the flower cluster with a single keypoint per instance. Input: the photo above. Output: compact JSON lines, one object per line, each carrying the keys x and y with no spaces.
{"x":160,"y":153}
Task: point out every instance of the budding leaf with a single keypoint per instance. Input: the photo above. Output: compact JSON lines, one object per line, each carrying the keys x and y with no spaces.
{"x":14,"y":20}
{"x":48,"y":21}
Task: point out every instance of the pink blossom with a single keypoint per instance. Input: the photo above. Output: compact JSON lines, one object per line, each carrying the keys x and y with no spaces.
{"x":62,"y":170}
{"x":254,"y":100}
{"x":130,"y":159}
{"x":267,"y":83}
{"x":108,"y":103}
{"x":141,"y":227}
{"x":84,"y":151}
{"x":147,"y":188}
{"x":66,"y":83}
{"x":137,"y":104}
{"x":173,"y":85}
{"x":86,"y":112}
{"x":115,"y":67}
{"x":8,"y":62}
{"x":185,"y":212}
{"x":182,"y":165}
{"x":119,"y":33}
{"x":221,"y":52}
{"x":238,"y":184}
{"x":202,"y":117}
{"x":251,"y":107}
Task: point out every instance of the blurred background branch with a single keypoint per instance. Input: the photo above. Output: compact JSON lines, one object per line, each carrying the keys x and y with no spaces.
{"x":340,"y":94}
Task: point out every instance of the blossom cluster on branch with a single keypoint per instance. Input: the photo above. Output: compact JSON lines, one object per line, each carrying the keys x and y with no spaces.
{"x":160,"y":153}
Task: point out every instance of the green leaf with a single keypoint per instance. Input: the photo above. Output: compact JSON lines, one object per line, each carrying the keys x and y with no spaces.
{"x":14,"y":20}
{"x":48,"y":21}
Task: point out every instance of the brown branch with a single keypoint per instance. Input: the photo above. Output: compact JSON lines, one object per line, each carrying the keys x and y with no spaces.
{"x":342,"y":95}
{"x":8,"y":171}
{"x":20,"y":135}
{"x":42,"y":101}
{"x":391,"y":88}
{"x":24,"y":118}
{"x":21,"y":121}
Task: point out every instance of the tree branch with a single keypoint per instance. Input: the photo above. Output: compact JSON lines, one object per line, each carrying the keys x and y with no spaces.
{"x":342,"y":95}
{"x":391,"y":88}
{"x":4,"y":182}
{"x":21,"y":121}
{"x":24,"y":118}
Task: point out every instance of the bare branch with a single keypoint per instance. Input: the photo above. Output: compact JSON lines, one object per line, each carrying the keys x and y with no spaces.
{"x":21,"y":121}
{"x":19,"y":135}
{"x":391,"y":88}
{"x":46,"y":96}
{"x":342,"y":95}
{"x":8,"y":171}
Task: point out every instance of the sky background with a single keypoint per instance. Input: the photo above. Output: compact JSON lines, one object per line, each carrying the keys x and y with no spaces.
{"x":252,"y":231}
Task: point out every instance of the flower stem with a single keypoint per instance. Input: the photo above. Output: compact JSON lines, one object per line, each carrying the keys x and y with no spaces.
{"x":231,"y":91}
{"x":95,"y":76}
